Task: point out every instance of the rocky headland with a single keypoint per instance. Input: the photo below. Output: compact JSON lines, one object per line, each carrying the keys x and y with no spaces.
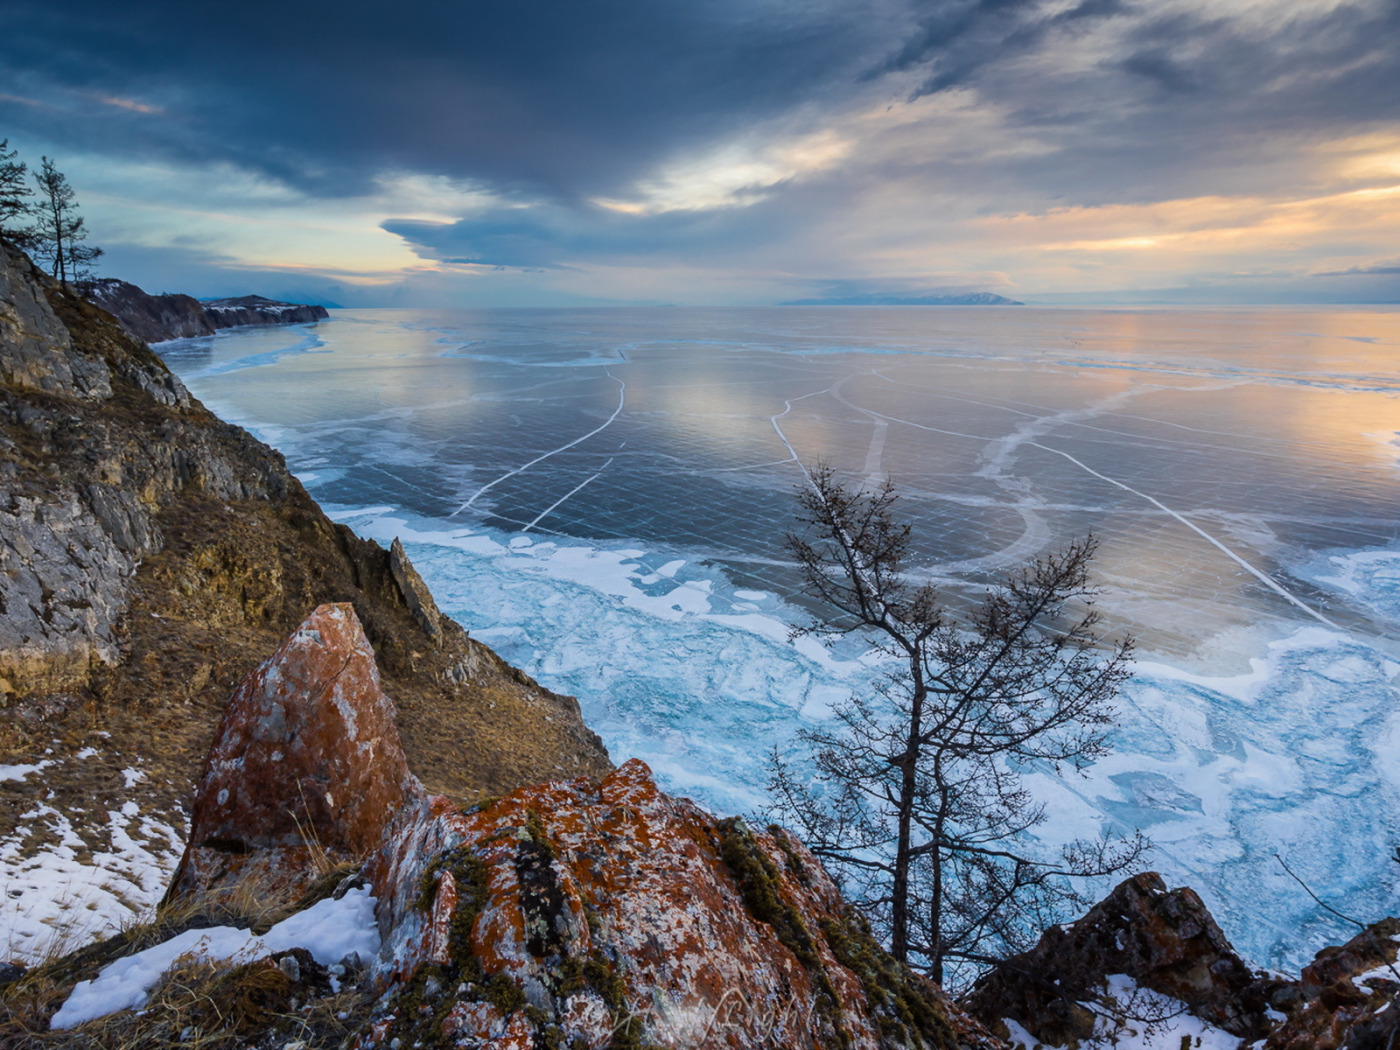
{"x":157,"y":318}
{"x":151,"y":555}
{"x":187,"y":643}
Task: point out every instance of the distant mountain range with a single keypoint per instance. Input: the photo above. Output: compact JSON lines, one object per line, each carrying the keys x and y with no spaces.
{"x":964,"y":299}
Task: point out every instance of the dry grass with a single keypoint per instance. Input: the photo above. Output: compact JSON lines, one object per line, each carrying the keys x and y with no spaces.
{"x":197,"y":1003}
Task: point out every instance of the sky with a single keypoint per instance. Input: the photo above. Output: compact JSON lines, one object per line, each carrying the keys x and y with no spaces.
{"x":736,"y":152}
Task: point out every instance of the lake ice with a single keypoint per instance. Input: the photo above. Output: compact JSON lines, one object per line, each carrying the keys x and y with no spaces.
{"x":601,"y":495}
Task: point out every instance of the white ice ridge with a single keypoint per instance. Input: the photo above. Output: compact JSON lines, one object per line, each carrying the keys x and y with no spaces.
{"x":621,"y":399}
{"x":1263,"y":577}
{"x":577,"y":488}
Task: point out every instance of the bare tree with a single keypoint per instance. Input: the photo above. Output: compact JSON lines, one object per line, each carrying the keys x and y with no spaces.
{"x":917,"y":803}
{"x":59,"y":231}
{"x":14,"y":194}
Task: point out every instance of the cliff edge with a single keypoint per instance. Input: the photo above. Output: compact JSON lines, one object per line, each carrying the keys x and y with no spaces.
{"x":151,"y":555}
{"x":156,"y":318}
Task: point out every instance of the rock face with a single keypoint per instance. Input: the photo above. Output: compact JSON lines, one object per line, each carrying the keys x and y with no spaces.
{"x":69,"y":543}
{"x":151,"y":318}
{"x":254,"y":309}
{"x":152,"y":555}
{"x":1166,"y":941}
{"x":38,"y":349}
{"x":155,"y":318}
{"x":1347,"y":996}
{"x":415,"y":592}
{"x":588,"y":913}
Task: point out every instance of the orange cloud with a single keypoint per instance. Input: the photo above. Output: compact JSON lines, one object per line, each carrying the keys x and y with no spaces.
{"x":1204,"y":226}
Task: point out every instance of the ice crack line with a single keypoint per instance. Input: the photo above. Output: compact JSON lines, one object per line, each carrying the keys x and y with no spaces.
{"x":1263,"y":577}
{"x":792,"y":452}
{"x":621,"y":398}
{"x":577,"y":488}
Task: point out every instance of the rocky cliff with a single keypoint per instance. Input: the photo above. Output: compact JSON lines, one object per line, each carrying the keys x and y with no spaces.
{"x":151,"y":555}
{"x":254,"y":309}
{"x":576,"y":914}
{"x":150,"y":318}
{"x":155,"y":318}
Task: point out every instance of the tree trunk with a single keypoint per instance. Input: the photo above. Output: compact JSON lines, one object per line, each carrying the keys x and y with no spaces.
{"x":59,"y":253}
{"x":935,"y":914}
{"x":899,"y":891}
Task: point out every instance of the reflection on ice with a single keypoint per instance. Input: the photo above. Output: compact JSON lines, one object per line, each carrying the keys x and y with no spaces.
{"x":601,"y":495}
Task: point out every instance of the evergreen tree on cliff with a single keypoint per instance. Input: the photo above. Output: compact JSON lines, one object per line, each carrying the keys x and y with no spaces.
{"x":14,"y":194}
{"x":59,"y":231}
{"x":918,"y":804}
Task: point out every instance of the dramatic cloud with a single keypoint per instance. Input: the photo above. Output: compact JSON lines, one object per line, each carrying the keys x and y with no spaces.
{"x":749,"y":150}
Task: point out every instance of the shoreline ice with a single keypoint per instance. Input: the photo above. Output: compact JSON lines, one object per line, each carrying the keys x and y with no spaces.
{"x":1219,"y":770}
{"x":691,"y":669}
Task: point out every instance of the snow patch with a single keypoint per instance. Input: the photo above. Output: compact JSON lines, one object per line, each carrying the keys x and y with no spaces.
{"x":329,"y":930}
{"x":61,"y":896}
{"x":21,"y":771}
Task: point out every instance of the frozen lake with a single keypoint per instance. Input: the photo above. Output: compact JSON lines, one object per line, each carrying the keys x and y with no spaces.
{"x":602,"y":495}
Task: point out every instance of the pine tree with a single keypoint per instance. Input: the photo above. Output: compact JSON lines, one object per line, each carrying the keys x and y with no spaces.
{"x":14,"y":204}
{"x":58,"y":234}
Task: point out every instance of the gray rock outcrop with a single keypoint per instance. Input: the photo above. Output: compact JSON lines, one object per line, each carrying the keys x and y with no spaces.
{"x":151,"y":555}
{"x":151,"y":318}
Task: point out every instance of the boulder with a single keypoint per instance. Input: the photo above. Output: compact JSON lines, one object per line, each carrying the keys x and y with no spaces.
{"x":306,"y":770}
{"x":583,"y":912}
{"x":1165,"y":941}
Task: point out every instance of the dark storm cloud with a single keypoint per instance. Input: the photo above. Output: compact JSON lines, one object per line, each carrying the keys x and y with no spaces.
{"x":958,"y":38}
{"x":1197,"y":104}
{"x":552,"y":237}
{"x":555,"y":97}
{"x":553,"y":103}
{"x":567,"y":100}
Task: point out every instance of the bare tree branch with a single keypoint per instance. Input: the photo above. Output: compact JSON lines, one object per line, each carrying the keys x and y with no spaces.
{"x":914,"y":799}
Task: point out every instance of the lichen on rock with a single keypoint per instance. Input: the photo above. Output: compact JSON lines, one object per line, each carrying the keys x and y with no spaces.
{"x":581,"y":913}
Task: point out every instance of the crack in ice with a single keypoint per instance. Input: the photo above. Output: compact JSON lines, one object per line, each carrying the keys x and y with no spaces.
{"x":792,"y":452}
{"x":577,"y":488}
{"x":621,"y":399}
{"x":1262,"y":576}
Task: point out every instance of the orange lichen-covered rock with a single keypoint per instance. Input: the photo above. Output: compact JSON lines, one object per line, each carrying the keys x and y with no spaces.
{"x":1347,"y":996}
{"x":306,"y":766}
{"x":590,"y":915}
{"x":582,"y":914}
